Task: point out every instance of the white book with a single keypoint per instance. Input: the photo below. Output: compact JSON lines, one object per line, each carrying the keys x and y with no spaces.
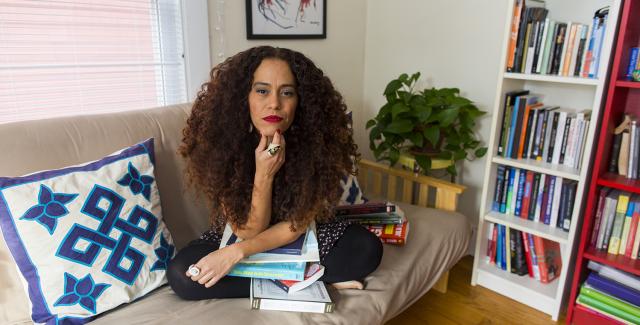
{"x":570,"y":142}
{"x":310,"y":251}
{"x":574,"y":52}
{"x":538,"y":203}
{"x":632,"y":170}
{"x":543,"y":47}
{"x":621,"y":277}
{"x":585,"y":133}
{"x":530,"y":52}
{"x":266,"y":295}
{"x":555,"y":204}
{"x":562,"y":119}
{"x":565,"y":45}
{"x":532,"y":133}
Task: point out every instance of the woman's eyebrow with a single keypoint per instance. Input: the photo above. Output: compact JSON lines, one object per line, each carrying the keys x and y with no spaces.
{"x":260,"y":83}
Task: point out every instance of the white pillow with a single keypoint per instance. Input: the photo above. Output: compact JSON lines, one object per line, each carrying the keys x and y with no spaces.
{"x":87,"y":238}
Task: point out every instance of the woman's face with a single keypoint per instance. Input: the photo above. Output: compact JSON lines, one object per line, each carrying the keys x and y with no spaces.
{"x":273,"y":98}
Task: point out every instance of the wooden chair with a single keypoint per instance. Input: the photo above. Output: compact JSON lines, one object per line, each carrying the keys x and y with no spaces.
{"x":416,"y":189}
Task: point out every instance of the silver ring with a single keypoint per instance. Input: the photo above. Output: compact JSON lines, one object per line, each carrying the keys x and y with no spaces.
{"x":193,"y":270}
{"x":272,"y":149}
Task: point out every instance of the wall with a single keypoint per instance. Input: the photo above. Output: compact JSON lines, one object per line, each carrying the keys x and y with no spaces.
{"x":453,"y":43}
{"x":340,"y":55}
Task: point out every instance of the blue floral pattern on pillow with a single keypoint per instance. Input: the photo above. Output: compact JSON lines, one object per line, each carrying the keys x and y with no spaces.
{"x":83,"y":292}
{"x":164,"y":254}
{"x":50,"y":207}
{"x":136,"y":182}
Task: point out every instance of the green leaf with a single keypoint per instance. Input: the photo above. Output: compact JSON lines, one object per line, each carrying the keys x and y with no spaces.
{"x":452,"y":170}
{"x":481,"y":152}
{"x":460,"y":154}
{"x":394,"y":155}
{"x":399,"y":108}
{"x":403,"y":77}
{"x":370,"y":123}
{"x":422,"y":112}
{"x":417,"y":139}
{"x":424,"y":162}
{"x":447,"y":116}
{"x":384,"y":111}
{"x":392,"y":87}
{"x":432,"y":134}
{"x":374,"y":134}
{"x":446,"y":155}
{"x":399,"y":126}
{"x":415,"y":77}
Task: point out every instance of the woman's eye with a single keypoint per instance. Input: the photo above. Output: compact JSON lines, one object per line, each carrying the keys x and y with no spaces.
{"x":262,"y":91}
{"x":288,"y":92}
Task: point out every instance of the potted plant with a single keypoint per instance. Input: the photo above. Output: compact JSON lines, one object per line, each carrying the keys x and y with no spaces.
{"x":427,"y":124}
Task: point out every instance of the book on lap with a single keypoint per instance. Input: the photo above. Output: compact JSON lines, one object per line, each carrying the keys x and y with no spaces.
{"x":312,"y":273}
{"x":280,"y":271}
{"x":266,"y":295}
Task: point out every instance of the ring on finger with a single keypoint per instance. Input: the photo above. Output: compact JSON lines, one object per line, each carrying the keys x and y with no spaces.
{"x":193,"y":270}
{"x":272,"y":149}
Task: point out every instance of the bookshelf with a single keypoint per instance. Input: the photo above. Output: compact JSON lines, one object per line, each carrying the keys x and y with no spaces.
{"x":572,"y":93}
{"x":622,"y":97}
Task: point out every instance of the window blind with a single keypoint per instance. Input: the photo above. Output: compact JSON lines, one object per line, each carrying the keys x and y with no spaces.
{"x":69,"y":57}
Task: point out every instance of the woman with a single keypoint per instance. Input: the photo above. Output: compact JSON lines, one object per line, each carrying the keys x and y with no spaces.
{"x":269,"y":190}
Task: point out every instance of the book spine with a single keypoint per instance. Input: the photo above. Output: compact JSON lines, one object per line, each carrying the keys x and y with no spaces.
{"x":534,"y":196}
{"x":581,"y":50}
{"x":542,"y":264}
{"x":619,"y":305}
{"x":542,"y":45}
{"x":557,"y":199}
{"x":597,"y":48}
{"x":539,"y":198}
{"x":626,"y":227}
{"x":539,"y":135}
{"x":527,"y":253}
{"x":616,"y":232}
{"x":633,"y":62}
{"x":527,"y":195}
{"x":255,"y":271}
{"x":571,"y":196}
{"x":534,"y":257}
{"x":506,"y":117}
{"x":548,"y":208}
{"x":613,"y":288}
{"x":598,"y":217}
{"x":513,"y":36}
{"x":522,"y":178}
{"x":280,"y":285}
{"x":292,"y":305}
{"x":553,"y":136}
{"x":565,"y":139}
{"x":514,"y":190}
{"x":505,"y":190}
{"x":498,"y":190}
{"x":615,"y":152}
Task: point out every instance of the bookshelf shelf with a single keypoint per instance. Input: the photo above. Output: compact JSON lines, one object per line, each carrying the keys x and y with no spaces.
{"x":573,"y":95}
{"x":628,"y":84}
{"x":621,"y":98}
{"x":539,"y":167}
{"x":535,"y":228}
{"x":619,"y":182}
{"x":547,"y":78}
{"x":618,"y":261}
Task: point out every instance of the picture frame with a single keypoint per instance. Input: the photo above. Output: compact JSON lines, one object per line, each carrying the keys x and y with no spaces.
{"x":280,"y":19}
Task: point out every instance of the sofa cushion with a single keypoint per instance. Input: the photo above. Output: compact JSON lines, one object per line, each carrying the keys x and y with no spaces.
{"x":87,"y":238}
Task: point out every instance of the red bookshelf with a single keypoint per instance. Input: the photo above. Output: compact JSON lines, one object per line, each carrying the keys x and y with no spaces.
{"x":622,"y":97}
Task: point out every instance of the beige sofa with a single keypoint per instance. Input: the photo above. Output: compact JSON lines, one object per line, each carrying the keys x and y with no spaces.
{"x":437,"y":239}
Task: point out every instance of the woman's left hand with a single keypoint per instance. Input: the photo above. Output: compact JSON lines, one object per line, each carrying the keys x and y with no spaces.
{"x":216,"y":265}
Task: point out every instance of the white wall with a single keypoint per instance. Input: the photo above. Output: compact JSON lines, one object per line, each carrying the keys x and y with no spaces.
{"x":340,"y":55}
{"x":453,"y":43}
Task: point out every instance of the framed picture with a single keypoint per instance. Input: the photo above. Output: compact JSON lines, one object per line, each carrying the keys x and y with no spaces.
{"x":286,"y":19}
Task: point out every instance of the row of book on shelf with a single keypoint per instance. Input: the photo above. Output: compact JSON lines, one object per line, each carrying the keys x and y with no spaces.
{"x":611,"y":293}
{"x":532,"y":130}
{"x":534,"y":196}
{"x":615,"y":229}
{"x":625,"y":149}
{"x":287,"y":278}
{"x":522,"y":253}
{"x":541,"y":45}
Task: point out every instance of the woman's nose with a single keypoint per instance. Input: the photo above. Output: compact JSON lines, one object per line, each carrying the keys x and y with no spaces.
{"x":274,"y":101}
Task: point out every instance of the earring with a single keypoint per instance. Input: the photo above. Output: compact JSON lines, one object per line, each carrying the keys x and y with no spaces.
{"x":250,"y":127}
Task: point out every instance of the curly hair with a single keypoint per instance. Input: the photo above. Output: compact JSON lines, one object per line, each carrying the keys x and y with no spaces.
{"x":219,"y":146}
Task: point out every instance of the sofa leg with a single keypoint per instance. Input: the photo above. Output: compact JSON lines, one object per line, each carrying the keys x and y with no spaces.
{"x":441,"y":285}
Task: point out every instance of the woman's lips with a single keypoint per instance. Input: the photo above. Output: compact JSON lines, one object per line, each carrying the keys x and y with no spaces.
{"x":273,"y":118}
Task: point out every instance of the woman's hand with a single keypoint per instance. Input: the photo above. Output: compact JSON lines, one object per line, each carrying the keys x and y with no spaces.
{"x":216,"y":265}
{"x":267,"y":165}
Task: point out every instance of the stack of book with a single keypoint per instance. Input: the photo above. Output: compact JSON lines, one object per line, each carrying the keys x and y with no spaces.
{"x":531,"y":130}
{"x":522,"y":253}
{"x":385,"y":219}
{"x":615,"y":228}
{"x":284,"y":278}
{"x":611,"y":293}
{"x":534,"y":196}
{"x":625,"y":148}
{"x":544,"y":46}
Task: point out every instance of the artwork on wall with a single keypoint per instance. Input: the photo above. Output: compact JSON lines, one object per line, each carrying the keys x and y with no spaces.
{"x":286,"y":19}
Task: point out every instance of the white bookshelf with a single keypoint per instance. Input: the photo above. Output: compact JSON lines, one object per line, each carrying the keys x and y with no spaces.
{"x":568,"y":93}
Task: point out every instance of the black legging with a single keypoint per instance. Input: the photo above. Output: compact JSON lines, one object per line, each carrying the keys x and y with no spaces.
{"x":354,"y":256}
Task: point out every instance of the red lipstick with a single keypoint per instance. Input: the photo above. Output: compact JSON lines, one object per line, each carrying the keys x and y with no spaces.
{"x":273,"y":118}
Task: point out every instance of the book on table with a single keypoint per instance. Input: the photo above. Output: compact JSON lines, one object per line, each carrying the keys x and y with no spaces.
{"x":266,"y":295}
{"x":371,"y":213}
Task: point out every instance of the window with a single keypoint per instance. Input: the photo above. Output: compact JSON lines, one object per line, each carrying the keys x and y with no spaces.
{"x":69,"y":57}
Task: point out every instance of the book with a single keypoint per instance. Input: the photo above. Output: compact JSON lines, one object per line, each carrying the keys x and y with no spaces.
{"x":613,"y":288}
{"x":600,"y":24}
{"x":550,"y":31}
{"x":616,"y":232}
{"x":610,"y":304}
{"x":549,"y":260}
{"x":598,"y":216}
{"x":391,"y":233}
{"x":282,"y":271}
{"x":609,"y":216}
{"x":312,"y":273}
{"x":366,"y":208}
{"x":616,"y":143}
{"x":626,"y":226}
{"x":309,"y":252}
{"x":266,"y":295}
{"x":621,"y":277}
{"x":509,"y":101}
{"x":513,"y":36}
{"x":559,"y":38}
{"x":633,"y":62}
{"x":571,"y":198}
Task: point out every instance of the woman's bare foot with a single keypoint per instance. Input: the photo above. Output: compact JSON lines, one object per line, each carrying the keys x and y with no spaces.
{"x":353,"y":284}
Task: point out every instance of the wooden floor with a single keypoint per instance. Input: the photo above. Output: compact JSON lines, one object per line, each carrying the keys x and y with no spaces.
{"x":466,"y":304}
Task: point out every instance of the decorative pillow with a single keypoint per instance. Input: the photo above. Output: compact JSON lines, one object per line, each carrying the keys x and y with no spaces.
{"x":87,"y":238}
{"x":351,"y":192}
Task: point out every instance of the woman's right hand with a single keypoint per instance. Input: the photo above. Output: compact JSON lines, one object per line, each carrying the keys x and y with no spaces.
{"x":267,"y":165}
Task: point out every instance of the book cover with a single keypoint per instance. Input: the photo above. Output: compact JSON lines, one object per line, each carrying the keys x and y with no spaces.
{"x":613,"y":288}
{"x":621,"y":277}
{"x":541,"y":46}
{"x":616,"y":232}
{"x":527,"y":254}
{"x":552,"y":136}
{"x":395,"y":233}
{"x":626,"y":226}
{"x":548,"y":125}
{"x":293,"y":248}
{"x":620,"y":308}
{"x":598,"y":217}
{"x":609,"y":218}
{"x":518,"y":7}
{"x":558,"y":47}
{"x":534,"y":257}
{"x":615,"y":153}
{"x":548,"y":200}
{"x":555,"y":205}
{"x":266,"y":295}
{"x":606,"y":308}
{"x":633,"y":62}
{"x":571,"y":198}
{"x":282,"y":271}
{"x":549,"y":260}
{"x":312,"y":273}
{"x":498,"y":190}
